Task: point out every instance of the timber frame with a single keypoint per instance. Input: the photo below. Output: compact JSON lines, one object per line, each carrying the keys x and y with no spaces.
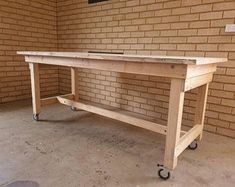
{"x":186,"y":73}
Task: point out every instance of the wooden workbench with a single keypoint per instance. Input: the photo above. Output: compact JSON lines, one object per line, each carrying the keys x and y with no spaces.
{"x":186,"y":73}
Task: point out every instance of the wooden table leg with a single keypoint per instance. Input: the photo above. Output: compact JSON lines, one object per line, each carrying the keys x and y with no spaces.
{"x":35,"y":86}
{"x":174,"y":122}
{"x":74,"y":85}
{"x":201,"y":106}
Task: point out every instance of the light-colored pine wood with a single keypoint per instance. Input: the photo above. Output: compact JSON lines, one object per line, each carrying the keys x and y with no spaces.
{"x":201,"y":106}
{"x":35,"y":87}
{"x":197,"y":70}
{"x":144,"y":68}
{"x":115,"y":115}
{"x":185,"y":72}
{"x":187,"y":139}
{"x":128,"y":58}
{"x":74,"y":83}
{"x":54,"y":100}
{"x":174,"y":122}
{"x":197,"y":81}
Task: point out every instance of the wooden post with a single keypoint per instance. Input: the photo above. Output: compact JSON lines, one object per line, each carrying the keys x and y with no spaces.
{"x":35,"y":86}
{"x":201,"y":106}
{"x":174,"y":122}
{"x":74,"y":83}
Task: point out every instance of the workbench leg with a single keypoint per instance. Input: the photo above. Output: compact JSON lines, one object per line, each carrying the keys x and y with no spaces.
{"x":35,"y":86}
{"x":174,"y":122}
{"x":74,"y":85}
{"x":201,"y":106}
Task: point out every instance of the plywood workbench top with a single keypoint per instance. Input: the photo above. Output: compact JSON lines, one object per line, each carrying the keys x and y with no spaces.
{"x":130,"y":58}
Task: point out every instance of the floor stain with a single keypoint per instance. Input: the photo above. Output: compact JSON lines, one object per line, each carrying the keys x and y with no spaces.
{"x":37,"y":148}
{"x":42,"y":152}
{"x":27,"y":143}
{"x":117,"y":141}
{"x":202,"y":181}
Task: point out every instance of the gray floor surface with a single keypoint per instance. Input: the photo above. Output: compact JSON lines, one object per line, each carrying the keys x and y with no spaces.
{"x":79,"y":149}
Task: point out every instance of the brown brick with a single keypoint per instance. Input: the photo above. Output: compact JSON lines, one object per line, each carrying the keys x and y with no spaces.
{"x":228,"y":102}
{"x":181,"y":10}
{"x":214,"y":100}
{"x":224,"y":6}
{"x":201,"y":8}
{"x":186,"y":47}
{"x":210,"y":128}
{"x":207,"y":47}
{"x":147,"y":14}
{"x":132,"y":3}
{"x":221,"y":22}
{"x":187,"y":32}
{"x":226,"y":132}
{"x":230,"y":71}
{"x":169,"y":33}
{"x":219,"y":39}
{"x":224,"y":94}
{"x":199,"y":24}
{"x":178,"y":40}
{"x":170,"y":19}
{"x":163,"y":12}
{"x":221,"y":108}
{"x":189,"y":17}
{"x":232,"y":126}
{"x":147,"y":1}
{"x":210,"y":31}
{"x":219,"y":123}
{"x":211,"y":15}
{"x":229,"y":87}
{"x":232,"y":55}
{"x":227,"y":117}
{"x":197,"y":39}
{"x":162,"y":26}
{"x":227,"y":47}
{"x":179,"y":25}
{"x":229,"y":14}
{"x":167,"y":46}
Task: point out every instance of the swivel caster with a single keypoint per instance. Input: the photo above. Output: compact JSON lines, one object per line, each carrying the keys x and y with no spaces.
{"x":163,"y":173}
{"x":36,"y":117}
{"x":193,"y":145}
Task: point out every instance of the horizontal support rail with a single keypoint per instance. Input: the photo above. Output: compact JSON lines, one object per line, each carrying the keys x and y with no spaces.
{"x":116,"y":115}
{"x":187,"y":139}
{"x":54,"y":100}
{"x":143,"y":68}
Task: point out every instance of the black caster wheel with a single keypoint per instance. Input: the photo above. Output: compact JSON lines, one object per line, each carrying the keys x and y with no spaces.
{"x":74,"y":109}
{"x":193,"y":145}
{"x":164,"y":174}
{"x":36,"y":117}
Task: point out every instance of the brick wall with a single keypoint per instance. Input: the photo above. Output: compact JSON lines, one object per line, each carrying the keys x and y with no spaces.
{"x":156,"y":27}
{"x":181,"y":27}
{"x":26,"y":25}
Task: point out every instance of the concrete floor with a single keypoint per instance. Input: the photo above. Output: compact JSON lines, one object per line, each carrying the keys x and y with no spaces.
{"x":78,"y":149}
